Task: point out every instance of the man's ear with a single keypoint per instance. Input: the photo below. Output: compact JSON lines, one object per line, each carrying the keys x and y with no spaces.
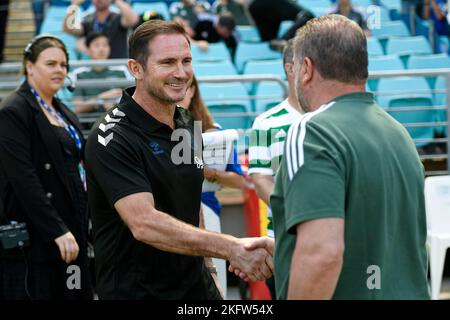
{"x":307,"y":71}
{"x":136,"y":69}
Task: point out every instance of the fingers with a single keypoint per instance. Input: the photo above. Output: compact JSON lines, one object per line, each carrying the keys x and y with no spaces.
{"x":252,"y":260}
{"x":263,"y":242}
{"x":255,"y":244}
{"x":269,"y":262}
{"x":62,"y":250}
{"x":265,"y":271}
{"x":68,"y":247}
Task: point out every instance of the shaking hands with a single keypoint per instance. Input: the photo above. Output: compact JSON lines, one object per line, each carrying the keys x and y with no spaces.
{"x":251,"y":259}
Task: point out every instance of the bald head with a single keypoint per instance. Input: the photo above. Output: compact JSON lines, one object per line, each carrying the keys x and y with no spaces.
{"x":336,"y":45}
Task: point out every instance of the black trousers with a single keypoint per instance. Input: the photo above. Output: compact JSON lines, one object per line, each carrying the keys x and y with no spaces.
{"x":268,"y":15}
{"x":20,"y":280}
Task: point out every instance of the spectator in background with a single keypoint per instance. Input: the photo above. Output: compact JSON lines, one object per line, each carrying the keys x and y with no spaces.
{"x":268,"y":15}
{"x":38,"y":11}
{"x":436,"y":10}
{"x":213,"y":29}
{"x":42,"y":182}
{"x":345,"y":8}
{"x":92,"y":98}
{"x":235,"y":7}
{"x":147,"y":16}
{"x":189,"y":10}
{"x":114,"y":25}
{"x":267,"y":138}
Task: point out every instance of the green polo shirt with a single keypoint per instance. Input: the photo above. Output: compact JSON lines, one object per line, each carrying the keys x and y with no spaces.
{"x":349,"y":159}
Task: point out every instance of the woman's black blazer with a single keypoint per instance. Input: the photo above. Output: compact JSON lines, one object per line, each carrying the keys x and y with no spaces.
{"x":33,"y":182}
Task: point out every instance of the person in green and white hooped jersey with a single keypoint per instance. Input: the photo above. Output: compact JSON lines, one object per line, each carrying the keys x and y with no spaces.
{"x":267,"y":139}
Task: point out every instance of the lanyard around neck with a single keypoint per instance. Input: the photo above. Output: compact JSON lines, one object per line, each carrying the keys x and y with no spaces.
{"x":59,"y":117}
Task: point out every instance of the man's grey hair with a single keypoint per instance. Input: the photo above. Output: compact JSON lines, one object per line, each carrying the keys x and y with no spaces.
{"x":288,"y":53}
{"x":337,"y":47}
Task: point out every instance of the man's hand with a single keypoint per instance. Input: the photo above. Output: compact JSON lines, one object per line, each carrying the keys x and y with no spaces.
{"x":253,"y":264}
{"x":257,"y":243}
{"x":202,"y":45}
{"x":68,"y":247}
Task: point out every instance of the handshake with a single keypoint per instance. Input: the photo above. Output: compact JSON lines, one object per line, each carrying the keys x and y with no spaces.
{"x":251,"y":258}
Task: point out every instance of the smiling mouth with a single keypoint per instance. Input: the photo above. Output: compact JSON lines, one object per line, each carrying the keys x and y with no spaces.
{"x":176,"y":85}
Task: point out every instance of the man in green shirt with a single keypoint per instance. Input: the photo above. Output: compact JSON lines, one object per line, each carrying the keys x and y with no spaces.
{"x":348,"y":203}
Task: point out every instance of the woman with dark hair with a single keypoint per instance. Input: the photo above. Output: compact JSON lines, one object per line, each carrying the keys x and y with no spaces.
{"x":232,"y":177}
{"x":42,"y":183}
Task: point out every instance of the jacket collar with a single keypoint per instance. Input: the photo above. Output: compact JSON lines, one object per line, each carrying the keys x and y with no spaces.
{"x":24,"y":91}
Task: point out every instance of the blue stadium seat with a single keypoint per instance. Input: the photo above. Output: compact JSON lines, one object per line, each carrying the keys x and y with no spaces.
{"x":225,"y":94}
{"x":254,"y":51}
{"x":216,"y":52}
{"x":230,"y":116}
{"x":408,"y":45}
{"x":409,"y":92}
{"x":159,"y":7}
{"x":387,"y":62}
{"x":374,"y":47}
{"x":274,"y":67}
{"x":383,"y":63}
{"x":432,"y":61}
{"x":219,"y":68}
{"x":248,"y":33}
{"x":268,"y":94}
{"x":52,"y":25}
{"x":391,"y":29}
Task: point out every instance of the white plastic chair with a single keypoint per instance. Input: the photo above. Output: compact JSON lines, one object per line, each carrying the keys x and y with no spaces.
{"x":437,"y":203}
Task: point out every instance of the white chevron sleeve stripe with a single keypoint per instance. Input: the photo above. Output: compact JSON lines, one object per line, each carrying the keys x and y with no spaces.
{"x":298,"y":159}
{"x":106,"y":140}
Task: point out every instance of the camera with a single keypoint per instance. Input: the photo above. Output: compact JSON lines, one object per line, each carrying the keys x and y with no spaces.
{"x":14,"y":235}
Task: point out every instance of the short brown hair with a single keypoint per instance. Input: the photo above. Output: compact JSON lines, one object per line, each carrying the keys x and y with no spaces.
{"x":336,"y":45}
{"x":140,"y":38}
{"x":39,"y":44}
